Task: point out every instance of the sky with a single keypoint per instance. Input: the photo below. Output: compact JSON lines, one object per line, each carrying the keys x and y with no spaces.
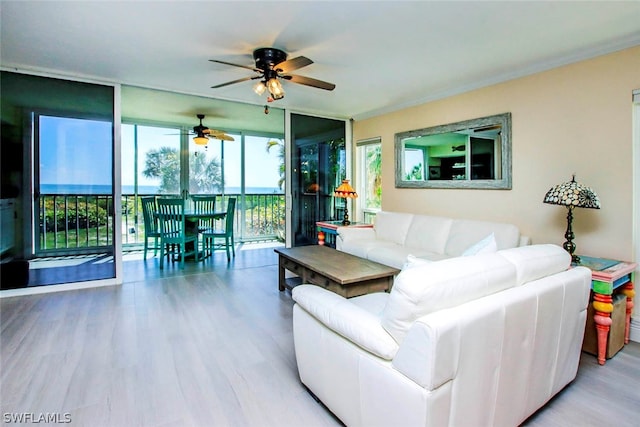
{"x":75,"y":151}
{"x":78,"y":151}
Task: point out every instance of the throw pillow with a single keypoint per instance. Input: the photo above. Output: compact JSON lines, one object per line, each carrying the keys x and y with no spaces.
{"x":485,"y":246}
{"x":413,"y":261}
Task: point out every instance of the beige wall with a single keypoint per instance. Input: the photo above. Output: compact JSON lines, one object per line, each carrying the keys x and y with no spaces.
{"x":572,"y":119}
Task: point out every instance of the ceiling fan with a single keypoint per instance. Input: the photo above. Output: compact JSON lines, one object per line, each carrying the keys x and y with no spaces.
{"x":272,"y":65}
{"x":203,"y":133}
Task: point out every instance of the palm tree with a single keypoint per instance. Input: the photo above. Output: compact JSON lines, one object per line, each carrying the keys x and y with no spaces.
{"x":280,"y":144}
{"x":164,"y":163}
{"x":374,"y":176}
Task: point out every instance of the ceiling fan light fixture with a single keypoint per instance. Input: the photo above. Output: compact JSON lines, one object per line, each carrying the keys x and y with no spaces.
{"x":259,"y":87}
{"x":275,"y":88}
{"x":201,"y":140}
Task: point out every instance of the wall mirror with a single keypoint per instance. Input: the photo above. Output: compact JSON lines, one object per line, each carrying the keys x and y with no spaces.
{"x":469,"y":154}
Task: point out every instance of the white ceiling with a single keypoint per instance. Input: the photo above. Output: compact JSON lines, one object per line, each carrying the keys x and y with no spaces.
{"x":382,"y":55}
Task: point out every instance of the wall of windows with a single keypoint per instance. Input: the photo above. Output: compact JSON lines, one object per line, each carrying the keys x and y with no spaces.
{"x":164,"y":160}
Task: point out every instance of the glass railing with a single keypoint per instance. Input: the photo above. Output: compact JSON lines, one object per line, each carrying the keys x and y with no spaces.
{"x":84,"y":223}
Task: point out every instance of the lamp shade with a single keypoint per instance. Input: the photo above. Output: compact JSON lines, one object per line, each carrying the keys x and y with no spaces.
{"x":259,"y":88}
{"x":572,"y":195}
{"x":275,"y":88}
{"x":345,"y":191}
{"x":201,"y":140}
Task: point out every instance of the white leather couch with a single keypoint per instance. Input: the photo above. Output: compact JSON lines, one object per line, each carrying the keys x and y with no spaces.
{"x":396,"y":235}
{"x":483,"y":340}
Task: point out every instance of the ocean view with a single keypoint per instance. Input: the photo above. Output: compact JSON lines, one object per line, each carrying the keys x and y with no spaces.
{"x":143,"y":189}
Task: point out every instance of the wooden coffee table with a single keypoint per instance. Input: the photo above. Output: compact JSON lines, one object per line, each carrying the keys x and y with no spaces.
{"x":339,"y":272}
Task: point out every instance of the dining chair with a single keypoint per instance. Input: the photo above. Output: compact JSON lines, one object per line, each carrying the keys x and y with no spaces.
{"x":175,"y":240}
{"x":151,"y":225}
{"x":201,"y":205}
{"x":209,"y":236}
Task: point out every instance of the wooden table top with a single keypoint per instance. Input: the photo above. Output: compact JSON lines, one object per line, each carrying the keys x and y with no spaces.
{"x":333,"y":225}
{"x":339,"y":266}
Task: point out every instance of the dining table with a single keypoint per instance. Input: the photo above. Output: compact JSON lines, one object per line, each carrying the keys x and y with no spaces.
{"x":191,"y":220}
{"x":193,"y":216}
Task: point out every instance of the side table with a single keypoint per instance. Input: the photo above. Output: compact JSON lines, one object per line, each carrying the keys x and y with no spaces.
{"x":328,"y":230}
{"x":608,"y":275}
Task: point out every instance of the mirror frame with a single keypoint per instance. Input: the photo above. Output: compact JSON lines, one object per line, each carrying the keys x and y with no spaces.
{"x":504,"y":183}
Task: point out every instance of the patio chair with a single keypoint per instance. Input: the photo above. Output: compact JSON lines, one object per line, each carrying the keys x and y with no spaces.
{"x":209,"y":236}
{"x":174,"y":238}
{"x":151,"y":226}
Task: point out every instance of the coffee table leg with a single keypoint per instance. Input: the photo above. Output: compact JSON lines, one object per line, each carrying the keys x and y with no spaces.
{"x":281,"y":279}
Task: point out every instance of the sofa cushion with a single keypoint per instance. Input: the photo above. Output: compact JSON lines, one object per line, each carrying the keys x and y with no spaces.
{"x":362,"y":247}
{"x":465,"y":233}
{"x":396,"y":256}
{"x":485,"y":246}
{"x":428,"y":233}
{"x":443,"y":284}
{"x":357,"y":321}
{"x":392,"y":226}
{"x":536,"y":261}
{"x":413,"y":261}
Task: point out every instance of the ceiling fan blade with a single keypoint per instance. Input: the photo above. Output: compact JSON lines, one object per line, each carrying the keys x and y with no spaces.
{"x":214,"y":132}
{"x":308,"y":81}
{"x":244,"y":79}
{"x":221,"y":136}
{"x":237,"y":65}
{"x":293,"y":64}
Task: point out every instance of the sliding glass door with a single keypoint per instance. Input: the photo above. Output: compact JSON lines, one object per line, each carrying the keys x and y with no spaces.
{"x":73,"y":193}
{"x":61,"y":167}
{"x":150,"y":165}
{"x":319,"y":164}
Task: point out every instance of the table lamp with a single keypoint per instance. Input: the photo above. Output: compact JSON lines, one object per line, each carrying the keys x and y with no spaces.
{"x":345,"y":191}
{"x":572,"y":195}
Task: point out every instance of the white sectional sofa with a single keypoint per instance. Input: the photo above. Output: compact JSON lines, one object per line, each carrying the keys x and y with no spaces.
{"x":397,"y":235}
{"x":482,"y":340}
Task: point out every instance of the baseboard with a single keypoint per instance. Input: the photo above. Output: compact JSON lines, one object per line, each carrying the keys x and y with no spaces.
{"x":57,"y":288}
{"x":634,"y":330}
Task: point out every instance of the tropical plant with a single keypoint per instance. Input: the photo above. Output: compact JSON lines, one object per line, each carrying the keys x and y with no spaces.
{"x":415,"y":174}
{"x":80,"y":212}
{"x":374,"y":176}
{"x":281,"y":169}
{"x":164,"y":164}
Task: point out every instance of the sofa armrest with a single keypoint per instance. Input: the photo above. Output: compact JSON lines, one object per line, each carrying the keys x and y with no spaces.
{"x":346,"y":319}
{"x":428,"y":354}
{"x":353,"y":233}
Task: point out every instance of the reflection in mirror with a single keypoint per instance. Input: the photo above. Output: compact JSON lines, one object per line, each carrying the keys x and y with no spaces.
{"x":470,"y":154}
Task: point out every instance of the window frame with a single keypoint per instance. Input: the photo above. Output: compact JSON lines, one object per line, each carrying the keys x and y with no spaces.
{"x":364,"y":211}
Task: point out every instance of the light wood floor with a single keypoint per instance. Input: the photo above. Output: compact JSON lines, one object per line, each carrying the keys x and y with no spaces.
{"x":210,"y":346}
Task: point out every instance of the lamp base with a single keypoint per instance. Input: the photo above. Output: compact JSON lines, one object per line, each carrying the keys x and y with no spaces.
{"x":346,"y":221}
{"x":568,"y":245}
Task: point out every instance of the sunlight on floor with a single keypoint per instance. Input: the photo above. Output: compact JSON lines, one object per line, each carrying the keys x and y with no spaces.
{"x":62,"y":261}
